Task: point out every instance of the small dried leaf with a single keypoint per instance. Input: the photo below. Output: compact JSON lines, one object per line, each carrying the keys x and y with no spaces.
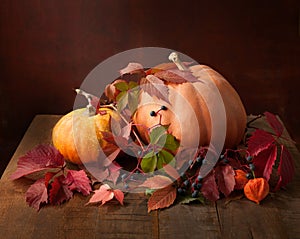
{"x":157,"y":182}
{"x":162,"y":198}
{"x":155,"y":87}
{"x":78,"y":181}
{"x":37,"y":194}
{"x":225,"y":179}
{"x":103,"y":195}
{"x":209,"y":187}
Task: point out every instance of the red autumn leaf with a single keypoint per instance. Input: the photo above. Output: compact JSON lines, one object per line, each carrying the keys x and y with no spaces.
{"x":176,"y":76}
{"x":259,"y":141}
{"x":270,"y":162}
{"x":131,"y":67}
{"x":59,"y":191}
{"x":48,"y":177}
{"x":78,"y":181}
{"x":275,"y":123}
{"x":209,"y":187}
{"x":119,"y":195}
{"x":260,"y":161}
{"x":162,"y":198}
{"x":103,"y":195}
{"x":286,"y":168}
{"x":156,"y":182}
{"x":155,"y":87}
{"x":114,"y":172}
{"x":225,"y":178}
{"x":39,"y":158}
{"x":171,"y":171}
{"x":37,"y":194}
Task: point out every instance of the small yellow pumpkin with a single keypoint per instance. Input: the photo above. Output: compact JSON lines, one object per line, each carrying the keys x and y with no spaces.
{"x":78,"y":137}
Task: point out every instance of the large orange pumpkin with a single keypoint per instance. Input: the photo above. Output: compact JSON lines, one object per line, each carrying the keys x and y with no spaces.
{"x":78,"y":137}
{"x":188,"y":115}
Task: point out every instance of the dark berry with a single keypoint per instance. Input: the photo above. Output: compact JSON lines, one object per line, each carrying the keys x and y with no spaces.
{"x":186,"y":183}
{"x":199,"y":159}
{"x":182,"y":174}
{"x":249,"y":175}
{"x":126,"y":186}
{"x":249,"y":158}
{"x":222,"y":156}
{"x":195,"y":194}
{"x":190,"y":162}
{"x":252,"y":166}
{"x":152,"y":113}
{"x":194,"y":185}
{"x":181,"y":191}
{"x":163,"y":107}
{"x":198,"y":186}
{"x":199,"y":178}
{"x":225,"y":160}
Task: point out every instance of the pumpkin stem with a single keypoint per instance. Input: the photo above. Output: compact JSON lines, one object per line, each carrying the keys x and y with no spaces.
{"x":174,"y":57}
{"x":89,"y":97}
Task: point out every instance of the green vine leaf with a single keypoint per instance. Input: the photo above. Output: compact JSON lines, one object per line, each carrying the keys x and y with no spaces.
{"x":164,"y":157}
{"x":149,"y":162}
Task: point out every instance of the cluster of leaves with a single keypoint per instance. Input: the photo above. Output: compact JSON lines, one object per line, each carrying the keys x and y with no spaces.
{"x":267,"y":152}
{"x":270,"y":149}
{"x":56,"y":183}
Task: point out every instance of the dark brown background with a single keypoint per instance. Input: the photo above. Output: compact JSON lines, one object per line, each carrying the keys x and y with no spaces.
{"x":48,"y":47}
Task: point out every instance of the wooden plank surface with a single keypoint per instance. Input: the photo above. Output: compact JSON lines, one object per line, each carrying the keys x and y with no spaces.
{"x":277,"y":217}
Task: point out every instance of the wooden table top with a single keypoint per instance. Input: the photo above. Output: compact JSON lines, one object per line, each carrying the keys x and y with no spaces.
{"x":277,"y":217}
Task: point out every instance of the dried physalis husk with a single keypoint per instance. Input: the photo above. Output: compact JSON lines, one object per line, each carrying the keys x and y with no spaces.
{"x":240,"y":179}
{"x":256,"y":189}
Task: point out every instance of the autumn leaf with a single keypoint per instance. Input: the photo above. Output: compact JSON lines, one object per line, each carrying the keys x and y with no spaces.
{"x":209,"y":187}
{"x":259,"y":141}
{"x":275,"y":123}
{"x":162,"y":198}
{"x":105,"y":194}
{"x":171,"y":171}
{"x":37,"y":194}
{"x":39,"y":158}
{"x":78,"y":181}
{"x":114,"y":172}
{"x":119,"y":195}
{"x":131,"y":67}
{"x":264,"y":162}
{"x":225,"y":178}
{"x":154,"y":86}
{"x":60,"y":191}
{"x":156,"y":182}
{"x":286,"y":168}
{"x":176,"y":76}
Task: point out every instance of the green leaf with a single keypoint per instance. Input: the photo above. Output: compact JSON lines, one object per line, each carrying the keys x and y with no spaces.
{"x":149,"y":162}
{"x":156,"y":133}
{"x":188,"y":199}
{"x":122,"y":86}
{"x":122,"y":100}
{"x":167,"y":141}
{"x":133,"y":101}
{"x":149,"y":192}
{"x":164,"y":157}
{"x":132,"y":85}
